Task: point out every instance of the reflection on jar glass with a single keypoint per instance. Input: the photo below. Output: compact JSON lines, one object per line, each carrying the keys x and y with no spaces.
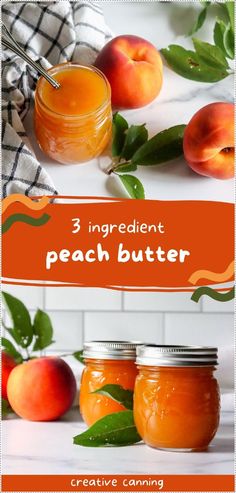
{"x":73,"y":124}
{"x":176,"y":397}
{"x":106,"y":362}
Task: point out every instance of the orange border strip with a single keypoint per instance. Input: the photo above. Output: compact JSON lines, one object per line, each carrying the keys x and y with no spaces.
{"x":171,"y":483}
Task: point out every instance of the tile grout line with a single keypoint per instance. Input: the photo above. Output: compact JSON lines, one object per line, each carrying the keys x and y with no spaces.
{"x":178,"y":312}
{"x":201,"y":305}
{"x":122,"y":301}
{"x":164,"y":327}
{"x":83,"y":327}
{"x":44,"y":298}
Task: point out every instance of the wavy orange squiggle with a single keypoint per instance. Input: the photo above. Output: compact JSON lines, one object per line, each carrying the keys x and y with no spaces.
{"x":213,"y":276}
{"x":17,"y":197}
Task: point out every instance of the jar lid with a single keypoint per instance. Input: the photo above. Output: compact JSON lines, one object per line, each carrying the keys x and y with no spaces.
{"x":152,"y":355}
{"x":114,"y":350}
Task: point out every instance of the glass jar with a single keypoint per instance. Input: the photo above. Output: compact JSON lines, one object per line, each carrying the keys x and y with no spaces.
{"x":176,"y":397}
{"x":106,"y":362}
{"x":73,"y":124}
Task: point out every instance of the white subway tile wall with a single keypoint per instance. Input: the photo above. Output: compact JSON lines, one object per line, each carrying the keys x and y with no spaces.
{"x":32,"y":297}
{"x":80,"y":314}
{"x":68,"y":330}
{"x":199,"y":328}
{"x":82,"y":299}
{"x":160,"y":302}
{"x":210,"y":305}
{"x":142,"y":326}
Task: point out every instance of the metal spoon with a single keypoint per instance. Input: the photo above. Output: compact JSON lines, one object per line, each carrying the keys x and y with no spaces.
{"x":9,"y":42}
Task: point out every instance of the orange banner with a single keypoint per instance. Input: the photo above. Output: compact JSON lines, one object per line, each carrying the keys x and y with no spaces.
{"x":119,"y":244}
{"x":120,"y":483}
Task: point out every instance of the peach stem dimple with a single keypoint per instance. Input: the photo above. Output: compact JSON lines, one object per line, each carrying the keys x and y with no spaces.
{"x":227,"y":149}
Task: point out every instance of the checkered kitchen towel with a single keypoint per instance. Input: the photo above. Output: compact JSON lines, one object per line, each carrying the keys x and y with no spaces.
{"x":51,"y":33}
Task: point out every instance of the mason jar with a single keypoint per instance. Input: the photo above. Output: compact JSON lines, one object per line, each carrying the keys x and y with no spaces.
{"x":106,"y":362}
{"x":176,"y":397}
{"x":73,"y":124}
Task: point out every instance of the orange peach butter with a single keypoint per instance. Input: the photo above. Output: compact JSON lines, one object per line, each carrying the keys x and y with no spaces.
{"x":98,"y":373}
{"x":176,"y":408}
{"x":73,"y":123}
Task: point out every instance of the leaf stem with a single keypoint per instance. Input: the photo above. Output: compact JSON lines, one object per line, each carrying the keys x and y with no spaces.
{"x":27,"y":355}
{"x":115,"y":164}
{"x":110,"y":169}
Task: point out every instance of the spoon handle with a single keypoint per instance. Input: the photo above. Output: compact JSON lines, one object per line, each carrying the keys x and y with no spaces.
{"x":10,"y":42}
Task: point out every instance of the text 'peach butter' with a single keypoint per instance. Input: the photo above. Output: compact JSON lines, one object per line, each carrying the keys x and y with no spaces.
{"x":176,"y":397}
{"x":106,"y":362}
{"x":73,"y":124}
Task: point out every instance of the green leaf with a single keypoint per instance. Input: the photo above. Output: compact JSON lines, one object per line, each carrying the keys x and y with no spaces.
{"x":229,"y":43}
{"x":117,"y":429}
{"x":22,"y":330}
{"x":6,"y":408}
{"x":118,"y":394}
{"x":125,"y":168}
{"x":79,"y":356}
{"x":210,"y":54}
{"x":43,"y":330}
{"x":15,"y":336}
{"x":189,"y":65}
{"x":119,"y":127}
{"x":133,"y":186}
{"x":10,"y":349}
{"x":136,"y":135}
{"x":164,"y":146}
{"x":229,"y":6}
{"x":219,"y":31}
{"x":200,"y":20}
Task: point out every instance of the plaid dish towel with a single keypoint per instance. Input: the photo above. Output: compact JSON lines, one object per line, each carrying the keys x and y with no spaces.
{"x":51,"y":33}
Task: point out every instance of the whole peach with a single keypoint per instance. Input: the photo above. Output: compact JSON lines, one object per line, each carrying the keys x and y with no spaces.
{"x":209,"y":141}
{"x":133,"y":67}
{"x":8,"y":363}
{"x":42,"y":389}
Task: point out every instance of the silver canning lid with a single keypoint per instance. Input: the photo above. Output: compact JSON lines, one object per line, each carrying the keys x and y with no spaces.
{"x":152,"y":355}
{"x":114,"y":350}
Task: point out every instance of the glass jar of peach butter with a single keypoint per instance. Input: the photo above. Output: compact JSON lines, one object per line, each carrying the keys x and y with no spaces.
{"x":73,"y":123}
{"x":106,"y":362}
{"x":176,"y":397}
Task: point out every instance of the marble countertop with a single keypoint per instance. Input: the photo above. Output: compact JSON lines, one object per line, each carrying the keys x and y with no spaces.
{"x":162,"y":23}
{"x":47,"y":448}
